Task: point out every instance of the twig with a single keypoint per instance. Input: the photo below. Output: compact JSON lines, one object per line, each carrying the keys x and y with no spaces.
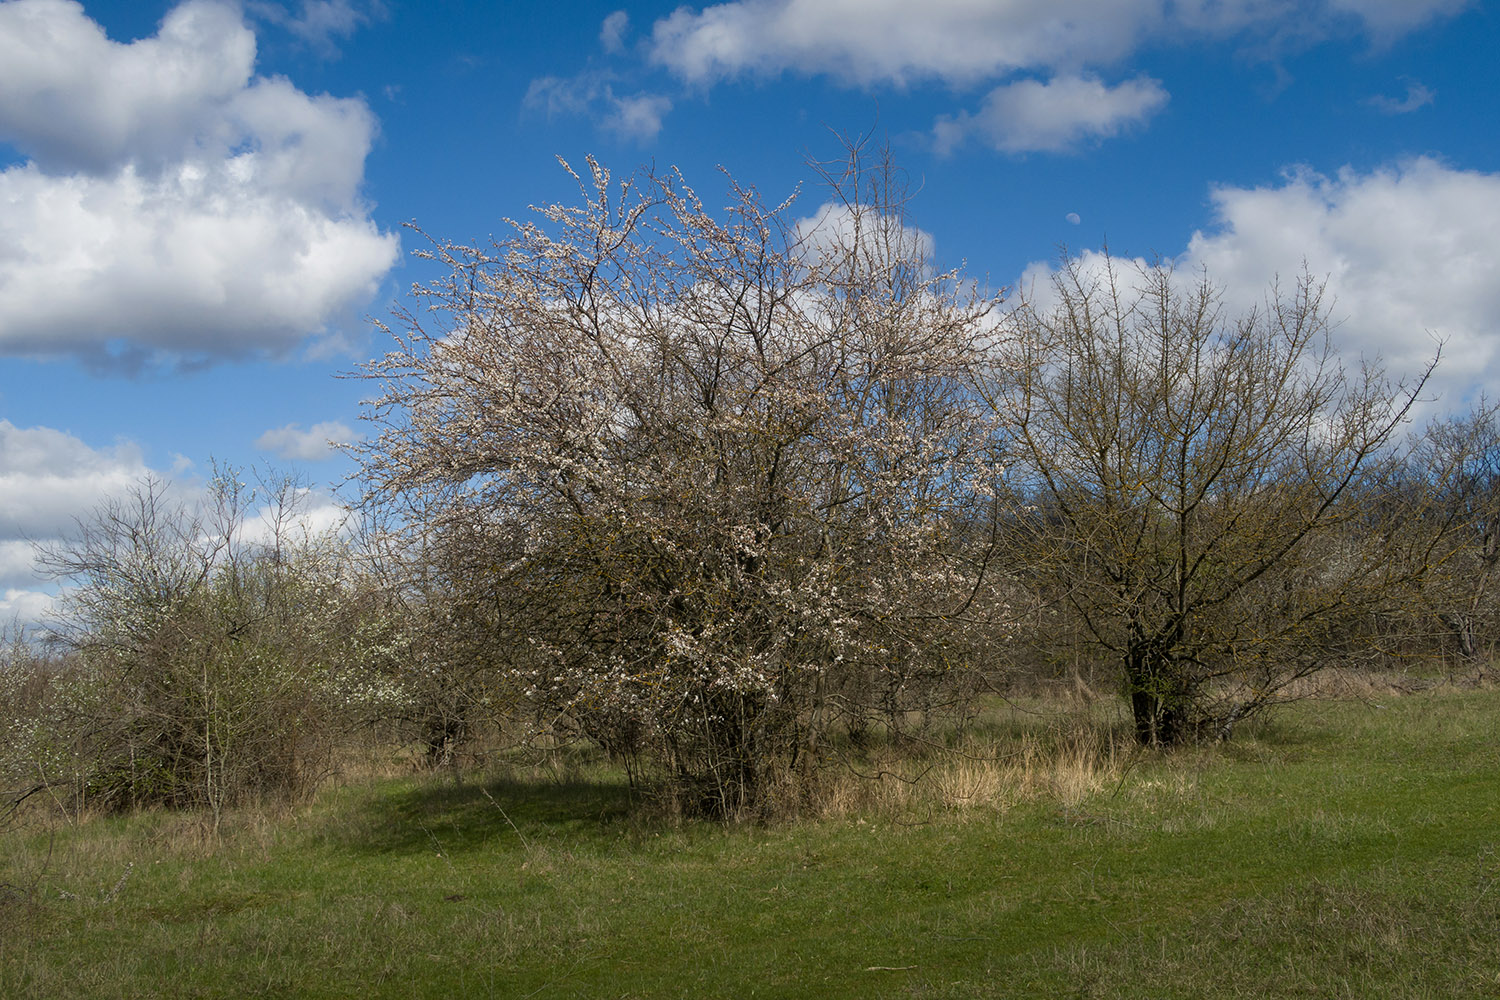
{"x":889,"y":968}
{"x":438,"y":846}
{"x":14,"y":804}
{"x":524,"y":842}
{"x":1135,"y":758}
{"x":882,"y":773}
{"x":109,"y":897}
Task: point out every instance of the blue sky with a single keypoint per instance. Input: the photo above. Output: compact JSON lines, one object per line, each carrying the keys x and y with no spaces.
{"x":202,"y":204}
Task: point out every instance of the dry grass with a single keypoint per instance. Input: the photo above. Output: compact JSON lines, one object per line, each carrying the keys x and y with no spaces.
{"x":1046,"y":751}
{"x":1060,"y":745}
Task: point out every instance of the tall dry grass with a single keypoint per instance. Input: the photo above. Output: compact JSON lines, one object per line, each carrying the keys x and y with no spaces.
{"x":1062,"y":748}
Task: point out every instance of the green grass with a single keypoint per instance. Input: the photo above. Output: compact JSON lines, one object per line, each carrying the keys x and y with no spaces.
{"x":1339,"y":850}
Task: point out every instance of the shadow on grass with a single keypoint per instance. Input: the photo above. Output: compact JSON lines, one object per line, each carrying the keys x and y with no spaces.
{"x":484,"y":813}
{"x":1290,"y":726}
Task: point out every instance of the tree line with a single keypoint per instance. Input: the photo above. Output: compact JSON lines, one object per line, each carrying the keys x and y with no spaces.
{"x":715,"y":490}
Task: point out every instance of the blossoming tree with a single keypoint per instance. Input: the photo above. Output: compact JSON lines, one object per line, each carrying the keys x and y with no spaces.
{"x":716,"y":470}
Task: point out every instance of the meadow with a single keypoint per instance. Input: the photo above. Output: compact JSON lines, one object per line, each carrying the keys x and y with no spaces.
{"x":1339,"y":847}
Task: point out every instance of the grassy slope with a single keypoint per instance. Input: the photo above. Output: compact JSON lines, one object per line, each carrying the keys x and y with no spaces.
{"x":1344,"y":850}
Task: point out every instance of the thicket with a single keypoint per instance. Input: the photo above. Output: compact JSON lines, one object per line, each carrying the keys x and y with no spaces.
{"x":729,"y":493}
{"x":208,"y":652}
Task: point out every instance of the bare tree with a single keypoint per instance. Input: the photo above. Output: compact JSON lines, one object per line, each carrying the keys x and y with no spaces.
{"x":708,"y":466}
{"x":1456,"y":467}
{"x":215,"y":645}
{"x":1189,"y":484}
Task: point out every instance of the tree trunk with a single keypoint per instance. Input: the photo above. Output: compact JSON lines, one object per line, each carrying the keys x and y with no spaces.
{"x":1463,"y":634}
{"x":1158,"y":699}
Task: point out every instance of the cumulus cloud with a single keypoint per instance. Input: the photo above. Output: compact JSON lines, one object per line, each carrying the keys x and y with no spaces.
{"x":836,"y":227}
{"x":171,"y":201}
{"x":24,"y":607}
{"x":1408,"y":253}
{"x":49,"y":477}
{"x":75,"y":100}
{"x":189,"y":265}
{"x":592,"y":94}
{"x":1053,"y":117}
{"x":895,"y":41}
{"x":1096,"y":269}
{"x":638,"y":116}
{"x":50,"y":480}
{"x":960,"y":42}
{"x":316,"y":443}
{"x":312,"y":515}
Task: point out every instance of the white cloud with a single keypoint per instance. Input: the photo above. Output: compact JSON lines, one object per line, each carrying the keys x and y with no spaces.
{"x":49,"y":477}
{"x":312,"y":515}
{"x":173,"y":202}
{"x":961,"y":41}
{"x":16,"y":562}
{"x":613,"y":30}
{"x":965,"y":43}
{"x":563,"y":95}
{"x":1408,"y":253}
{"x":197,"y":264}
{"x":293,"y":443}
{"x":50,"y":480}
{"x":835,"y":227}
{"x":868,"y":41}
{"x":634,"y":116}
{"x":1096,"y":270}
{"x":1417,"y":96}
{"x":24,"y":607}
{"x":74,"y":100}
{"x":1061,"y":114}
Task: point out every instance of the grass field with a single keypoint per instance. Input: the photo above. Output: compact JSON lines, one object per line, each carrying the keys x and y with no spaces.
{"x":1341,"y":849}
